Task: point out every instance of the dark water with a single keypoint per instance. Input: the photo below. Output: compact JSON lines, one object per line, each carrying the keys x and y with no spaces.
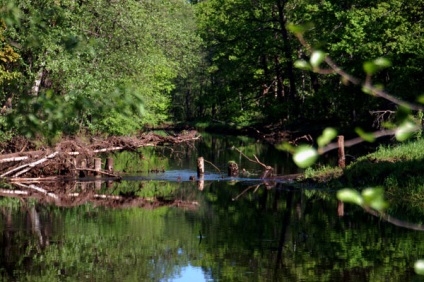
{"x":231,"y":230}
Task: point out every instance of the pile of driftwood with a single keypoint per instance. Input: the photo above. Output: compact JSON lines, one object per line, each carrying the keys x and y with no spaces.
{"x":72,"y":157}
{"x":52,"y":175}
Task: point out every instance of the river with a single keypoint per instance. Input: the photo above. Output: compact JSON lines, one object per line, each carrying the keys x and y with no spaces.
{"x":228,"y":229}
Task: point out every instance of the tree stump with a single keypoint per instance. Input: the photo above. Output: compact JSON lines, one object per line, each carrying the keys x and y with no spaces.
{"x":233,"y":170}
{"x":200,"y":167}
{"x":83,"y":165}
{"x":109,"y":165}
{"x":342,"y":157}
{"x":97,"y":166}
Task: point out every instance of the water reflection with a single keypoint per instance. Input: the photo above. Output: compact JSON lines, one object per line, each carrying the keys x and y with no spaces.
{"x":264,"y":235}
{"x":156,"y":230}
{"x":191,"y":273}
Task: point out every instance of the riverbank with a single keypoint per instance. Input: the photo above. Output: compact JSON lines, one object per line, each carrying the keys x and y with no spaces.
{"x":393,"y":167}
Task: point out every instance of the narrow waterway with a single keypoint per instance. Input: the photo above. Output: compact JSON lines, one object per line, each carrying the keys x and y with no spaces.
{"x":232,"y":229}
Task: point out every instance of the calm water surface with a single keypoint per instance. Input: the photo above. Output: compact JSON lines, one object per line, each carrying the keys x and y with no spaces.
{"x":231,"y":230}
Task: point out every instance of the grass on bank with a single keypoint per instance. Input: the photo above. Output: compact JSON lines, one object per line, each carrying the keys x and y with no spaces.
{"x":389,"y":166}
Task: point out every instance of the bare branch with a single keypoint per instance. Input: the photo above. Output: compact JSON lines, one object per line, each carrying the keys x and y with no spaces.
{"x":355,"y":141}
{"x":212,"y":165}
{"x":253,"y":161}
{"x":365,"y":85}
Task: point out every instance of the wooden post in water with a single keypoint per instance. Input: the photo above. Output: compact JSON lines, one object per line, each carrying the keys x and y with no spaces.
{"x":83,"y":165}
{"x":342,"y":157}
{"x":340,"y":208}
{"x":109,"y":165}
{"x":75,"y":164}
{"x":200,"y":184}
{"x":200,"y":167}
{"x":97,"y":166}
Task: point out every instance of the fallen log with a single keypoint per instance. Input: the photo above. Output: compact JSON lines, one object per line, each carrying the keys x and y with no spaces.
{"x":28,"y":166}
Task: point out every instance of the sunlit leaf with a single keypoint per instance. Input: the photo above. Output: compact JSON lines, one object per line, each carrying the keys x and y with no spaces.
{"x":402,"y":114}
{"x":297,"y":28}
{"x":369,"y":137}
{"x":370,"y":68}
{"x":421,"y":99}
{"x":419,"y":267}
{"x":305,"y":156}
{"x":350,"y":196}
{"x":327,"y":135}
{"x":317,"y":58}
{"x":367,"y":90}
{"x":405,"y":130}
{"x":388,"y":125}
{"x":285,"y":146}
{"x":302,"y":64}
{"x":374,"y":198}
{"x":382,"y":62}
{"x":378,"y":64}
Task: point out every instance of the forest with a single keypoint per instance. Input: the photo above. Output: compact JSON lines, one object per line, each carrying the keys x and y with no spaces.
{"x":115,"y":67}
{"x":84,"y":80}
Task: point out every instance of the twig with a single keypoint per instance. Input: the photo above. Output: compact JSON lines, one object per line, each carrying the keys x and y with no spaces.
{"x":99,"y":171}
{"x":365,"y":85}
{"x":212,"y":165}
{"x":245,"y":190}
{"x":253,"y":161}
{"x":355,"y":141}
{"x":395,"y":221}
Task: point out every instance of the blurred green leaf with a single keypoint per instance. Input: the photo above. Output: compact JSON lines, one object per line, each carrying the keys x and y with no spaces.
{"x":382,"y":62}
{"x":302,"y":64}
{"x":367,"y":90}
{"x":297,"y":28}
{"x":378,"y":64}
{"x":286,"y":146}
{"x":305,"y":156}
{"x":350,"y":196}
{"x":402,"y":114}
{"x":405,"y":130}
{"x":369,"y":137}
{"x":317,"y":58}
{"x":419,"y":267}
{"x":370,"y":68}
{"x":374,"y":198}
{"x":327,"y":135}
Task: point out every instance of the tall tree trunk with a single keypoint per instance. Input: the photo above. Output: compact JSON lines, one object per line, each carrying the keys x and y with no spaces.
{"x":187,"y":105}
{"x":287,"y":52}
{"x":279,"y":80}
{"x":314,"y":82}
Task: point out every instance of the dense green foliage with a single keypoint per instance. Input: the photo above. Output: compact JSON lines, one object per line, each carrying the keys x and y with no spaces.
{"x":114,"y":66}
{"x":108,"y":66}
{"x":251,"y":56}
